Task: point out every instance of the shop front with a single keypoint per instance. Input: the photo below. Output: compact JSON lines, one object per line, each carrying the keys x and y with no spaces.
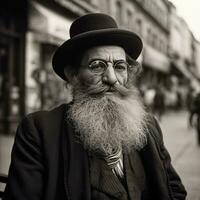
{"x":187,"y":83}
{"x":156,"y":67}
{"x":44,"y":89}
{"x":12,"y":29}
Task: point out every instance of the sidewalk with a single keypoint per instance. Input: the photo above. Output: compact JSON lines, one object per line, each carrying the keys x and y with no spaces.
{"x":6,"y":143}
{"x":181,"y":143}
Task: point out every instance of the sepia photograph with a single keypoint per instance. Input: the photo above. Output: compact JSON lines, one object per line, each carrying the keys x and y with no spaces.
{"x":100,"y":100}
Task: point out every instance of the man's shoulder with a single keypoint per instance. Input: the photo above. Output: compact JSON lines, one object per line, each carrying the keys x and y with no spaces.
{"x":47,"y":114}
{"x":153,"y":128}
{"x":46,"y":119}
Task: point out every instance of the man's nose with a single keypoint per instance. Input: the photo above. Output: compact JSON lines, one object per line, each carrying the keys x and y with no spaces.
{"x":109,"y":76}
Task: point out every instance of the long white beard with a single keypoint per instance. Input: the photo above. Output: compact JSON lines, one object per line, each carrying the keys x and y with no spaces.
{"x":109,"y":122}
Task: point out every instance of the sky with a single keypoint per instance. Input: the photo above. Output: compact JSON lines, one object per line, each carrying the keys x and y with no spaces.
{"x":190,"y":11}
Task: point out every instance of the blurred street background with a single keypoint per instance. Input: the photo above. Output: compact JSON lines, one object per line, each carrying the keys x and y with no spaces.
{"x":30,"y":32}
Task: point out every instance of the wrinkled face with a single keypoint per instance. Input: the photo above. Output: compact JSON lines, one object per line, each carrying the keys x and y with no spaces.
{"x":104,"y":66}
{"x":107,"y":112}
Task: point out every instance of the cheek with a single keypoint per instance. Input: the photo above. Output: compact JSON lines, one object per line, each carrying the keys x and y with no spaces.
{"x":88,"y":78}
{"x":122,"y":78}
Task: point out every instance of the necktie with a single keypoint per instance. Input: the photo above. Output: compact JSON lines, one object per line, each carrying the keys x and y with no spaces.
{"x":115,"y":162}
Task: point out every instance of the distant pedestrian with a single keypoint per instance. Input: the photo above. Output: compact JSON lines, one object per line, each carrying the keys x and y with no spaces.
{"x":149,"y":97}
{"x":189,"y":101}
{"x":158,"y":102}
{"x":195,"y":112}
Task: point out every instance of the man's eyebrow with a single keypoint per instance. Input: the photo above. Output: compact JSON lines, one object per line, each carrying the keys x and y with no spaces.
{"x":95,"y":58}
{"x":115,"y":60}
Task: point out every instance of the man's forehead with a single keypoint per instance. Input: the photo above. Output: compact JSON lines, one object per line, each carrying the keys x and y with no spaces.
{"x":107,"y":51}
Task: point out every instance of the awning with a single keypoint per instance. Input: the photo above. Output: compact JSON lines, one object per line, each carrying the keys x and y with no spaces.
{"x":156,"y":60}
{"x":37,"y":20}
{"x":194,"y":82}
{"x":43,"y":20}
{"x":182,"y":69}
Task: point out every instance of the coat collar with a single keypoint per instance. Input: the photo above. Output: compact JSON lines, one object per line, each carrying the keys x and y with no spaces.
{"x":152,"y":160}
{"x":76,"y":168}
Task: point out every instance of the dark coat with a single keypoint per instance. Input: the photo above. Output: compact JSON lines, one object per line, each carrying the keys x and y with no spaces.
{"x":48,"y":164}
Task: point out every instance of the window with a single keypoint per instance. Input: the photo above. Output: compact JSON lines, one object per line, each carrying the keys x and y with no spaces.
{"x":119,"y":12}
{"x":154,"y":40}
{"x":129,"y":19}
{"x":161,"y":46}
{"x":138,"y":26}
{"x":149,"y":36}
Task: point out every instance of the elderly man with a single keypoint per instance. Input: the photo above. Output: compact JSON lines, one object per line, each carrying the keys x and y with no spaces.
{"x":103,"y":145}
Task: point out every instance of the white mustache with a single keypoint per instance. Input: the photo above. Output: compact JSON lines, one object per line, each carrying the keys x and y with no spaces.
{"x":102,"y":89}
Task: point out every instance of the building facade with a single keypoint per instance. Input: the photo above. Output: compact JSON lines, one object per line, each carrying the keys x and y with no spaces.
{"x":182,"y":56}
{"x":30,"y":33}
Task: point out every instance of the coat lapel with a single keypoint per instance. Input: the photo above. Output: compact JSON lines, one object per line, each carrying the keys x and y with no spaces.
{"x":154,"y":169}
{"x":76,"y":169}
{"x":135,"y":175}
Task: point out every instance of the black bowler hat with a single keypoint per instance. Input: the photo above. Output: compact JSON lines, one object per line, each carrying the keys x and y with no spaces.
{"x":93,"y":30}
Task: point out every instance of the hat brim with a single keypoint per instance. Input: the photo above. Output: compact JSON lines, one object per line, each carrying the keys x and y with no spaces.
{"x":68,"y":52}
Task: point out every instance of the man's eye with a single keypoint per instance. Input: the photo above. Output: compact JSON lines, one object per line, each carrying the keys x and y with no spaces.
{"x":121,"y":66}
{"x":97,"y":66}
